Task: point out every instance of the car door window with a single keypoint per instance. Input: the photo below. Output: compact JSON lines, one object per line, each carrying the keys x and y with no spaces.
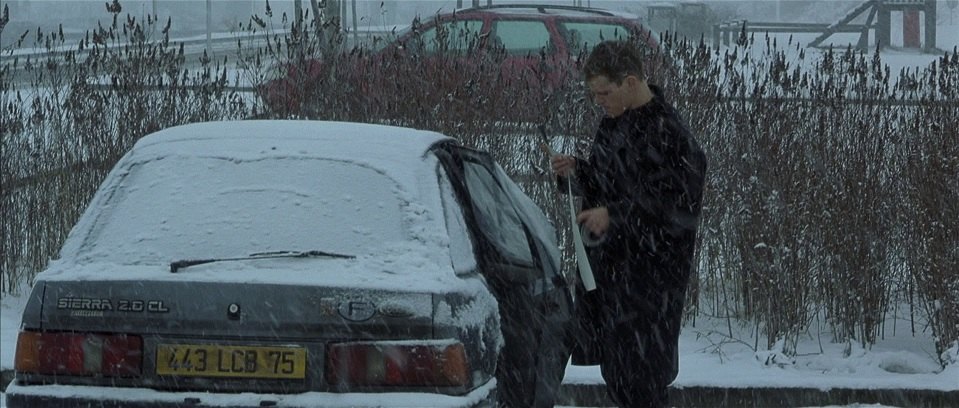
{"x":461,"y":246}
{"x":458,"y":36}
{"x":521,"y":37}
{"x":541,"y":229}
{"x":495,"y":214}
{"x":583,"y":36}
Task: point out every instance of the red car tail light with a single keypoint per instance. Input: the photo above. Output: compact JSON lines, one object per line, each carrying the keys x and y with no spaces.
{"x":110,"y":355}
{"x":426,"y":363}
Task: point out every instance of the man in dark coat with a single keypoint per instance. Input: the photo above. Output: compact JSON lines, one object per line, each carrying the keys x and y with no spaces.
{"x":642,"y":189}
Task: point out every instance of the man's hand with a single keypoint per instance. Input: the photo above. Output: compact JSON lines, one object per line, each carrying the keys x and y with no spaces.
{"x":596,"y":220}
{"x":563,"y":165}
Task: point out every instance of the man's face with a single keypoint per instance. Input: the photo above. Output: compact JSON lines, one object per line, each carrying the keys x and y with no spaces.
{"x":613,"y":98}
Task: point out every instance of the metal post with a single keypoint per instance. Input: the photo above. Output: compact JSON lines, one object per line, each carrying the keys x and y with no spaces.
{"x":4,"y":18}
{"x":884,"y":24}
{"x":930,"y":12}
{"x":317,"y":21}
{"x":356,"y":28}
{"x":156,"y":21}
{"x":333,"y":19}
{"x":297,"y":13}
{"x":209,"y":26}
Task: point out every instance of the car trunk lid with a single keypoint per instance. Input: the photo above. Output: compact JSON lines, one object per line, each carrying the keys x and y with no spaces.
{"x":235,"y":309}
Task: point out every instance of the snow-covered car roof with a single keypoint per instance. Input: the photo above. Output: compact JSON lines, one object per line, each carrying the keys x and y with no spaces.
{"x":387,"y":148}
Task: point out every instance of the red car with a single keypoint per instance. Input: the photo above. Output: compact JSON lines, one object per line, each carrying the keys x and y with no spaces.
{"x":538,"y":43}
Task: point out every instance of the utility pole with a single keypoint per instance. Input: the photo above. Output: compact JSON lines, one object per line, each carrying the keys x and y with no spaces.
{"x":333,"y":12}
{"x":333,"y":19}
{"x":4,"y":19}
{"x":298,"y":14}
{"x":156,"y":22}
{"x":356,"y":28}
{"x":209,"y":26}
{"x":317,"y":21}
{"x":298,"y":27}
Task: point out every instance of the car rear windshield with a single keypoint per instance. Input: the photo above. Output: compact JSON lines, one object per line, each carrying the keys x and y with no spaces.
{"x":181,"y":207}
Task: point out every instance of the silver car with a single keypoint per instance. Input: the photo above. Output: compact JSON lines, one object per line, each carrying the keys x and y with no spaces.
{"x":298,"y":263}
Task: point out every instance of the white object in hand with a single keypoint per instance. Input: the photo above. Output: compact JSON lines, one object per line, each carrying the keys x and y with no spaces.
{"x":585,"y":272}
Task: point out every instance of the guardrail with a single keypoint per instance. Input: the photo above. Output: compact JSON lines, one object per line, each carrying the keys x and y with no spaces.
{"x":199,"y":43}
{"x":193,"y":47}
{"x":724,"y":33}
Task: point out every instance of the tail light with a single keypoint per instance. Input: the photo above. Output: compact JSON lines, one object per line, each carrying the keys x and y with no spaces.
{"x":429,"y":363}
{"x":109,"y":355}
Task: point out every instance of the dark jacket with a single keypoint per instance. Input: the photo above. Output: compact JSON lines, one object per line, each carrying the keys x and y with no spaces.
{"x":647,"y":169}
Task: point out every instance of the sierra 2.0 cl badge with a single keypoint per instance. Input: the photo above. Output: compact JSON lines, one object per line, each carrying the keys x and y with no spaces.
{"x":92,"y":307}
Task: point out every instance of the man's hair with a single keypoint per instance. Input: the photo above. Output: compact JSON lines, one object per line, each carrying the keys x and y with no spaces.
{"x":615,"y":60}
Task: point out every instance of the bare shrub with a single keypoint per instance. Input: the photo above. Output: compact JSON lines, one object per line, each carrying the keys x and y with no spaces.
{"x":929,"y":193}
{"x":831,"y":193}
{"x":71,"y":112}
{"x":805,"y":214}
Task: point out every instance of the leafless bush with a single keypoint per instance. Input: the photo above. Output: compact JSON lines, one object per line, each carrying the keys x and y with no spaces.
{"x":71,"y":112}
{"x":929,"y":193}
{"x":832,"y":190}
{"x":825,"y":186}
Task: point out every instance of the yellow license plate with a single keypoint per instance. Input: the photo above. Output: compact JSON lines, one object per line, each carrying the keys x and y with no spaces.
{"x":231,"y":361}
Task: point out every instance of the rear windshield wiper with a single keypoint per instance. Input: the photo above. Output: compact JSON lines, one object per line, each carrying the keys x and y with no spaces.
{"x":184,"y":263}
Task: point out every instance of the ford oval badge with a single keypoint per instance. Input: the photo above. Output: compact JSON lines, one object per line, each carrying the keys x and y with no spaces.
{"x":356,"y":310}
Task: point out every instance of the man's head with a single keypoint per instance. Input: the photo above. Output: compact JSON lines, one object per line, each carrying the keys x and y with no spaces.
{"x":615,"y":76}
{"x":614,"y":60}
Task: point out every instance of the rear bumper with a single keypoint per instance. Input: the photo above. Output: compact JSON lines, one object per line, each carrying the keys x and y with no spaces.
{"x":64,"y":396}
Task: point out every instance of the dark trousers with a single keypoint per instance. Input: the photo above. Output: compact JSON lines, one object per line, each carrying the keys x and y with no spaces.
{"x":637,"y":364}
{"x":634,"y":338}
{"x":532,"y":363}
{"x":515,"y":368}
